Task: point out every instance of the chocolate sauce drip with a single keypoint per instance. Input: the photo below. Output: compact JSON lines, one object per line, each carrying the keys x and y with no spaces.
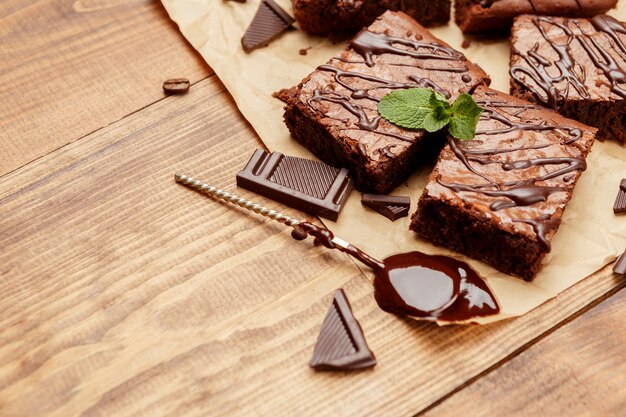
{"x":512,"y":126}
{"x":520,"y":193}
{"x":542,"y":226}
{"x":545,"y":86}
{"x":601,"y":58}
{"x":298,"y":234}
{"x":367,"y":44}
{"x":419,"y":285}
{"x":325,"y":238}
{"x":358,"y":94}
{"x":432,"y":288}
{"x":364,"y":122}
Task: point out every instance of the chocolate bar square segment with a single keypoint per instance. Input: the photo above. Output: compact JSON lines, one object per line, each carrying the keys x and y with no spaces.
{"x":334,"y":112}
{"x":392,"y":207}
{"x":574,"y":66}
{"x":340,"y":17}
{"x":489,"y":15}
{"x":269,"y":22}
{"x":620,"y":201}
{"x":311,"y":186}
{"x":500,"y":197}
{"x":341,"y":344}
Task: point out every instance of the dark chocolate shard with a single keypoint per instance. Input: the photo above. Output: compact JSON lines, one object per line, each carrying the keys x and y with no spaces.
{"x":341,"y":345}
{"x":269,"y":22}
{"x":311,"y":186}
{"x":389,"y":206}
{"x":620,"y":201}
{"x":620,"y":265}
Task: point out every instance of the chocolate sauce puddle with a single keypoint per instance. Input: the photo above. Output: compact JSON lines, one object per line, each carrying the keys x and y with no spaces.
{"x":428,"y":287}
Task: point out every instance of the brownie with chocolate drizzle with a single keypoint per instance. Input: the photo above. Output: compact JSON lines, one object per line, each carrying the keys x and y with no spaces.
{"x":489,"y":15}
{"x":334,"y":111}
{"x":500,"y":197}
{"x":340,"y":17}
{"x":575,"y":66}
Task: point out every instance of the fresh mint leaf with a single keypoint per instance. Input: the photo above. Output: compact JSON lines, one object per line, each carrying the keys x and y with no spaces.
{"x":407,"y":108}
{"x":423,"y":108}
{"x":440,"y":114}
{"x":465,"y":116}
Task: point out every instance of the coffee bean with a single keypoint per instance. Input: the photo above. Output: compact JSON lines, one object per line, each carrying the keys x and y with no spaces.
{"x":176,"y":86}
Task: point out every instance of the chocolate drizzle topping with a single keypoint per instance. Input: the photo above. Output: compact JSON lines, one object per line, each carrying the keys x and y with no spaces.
{"x":365,"y":90}
{"x":523,"y":192}
{"x":367,"y":44}
{"x":548,"y":88}
{"x":429,"y":287}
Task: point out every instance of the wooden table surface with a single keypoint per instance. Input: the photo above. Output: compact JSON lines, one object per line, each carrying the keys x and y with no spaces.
{"x":124,"y":294}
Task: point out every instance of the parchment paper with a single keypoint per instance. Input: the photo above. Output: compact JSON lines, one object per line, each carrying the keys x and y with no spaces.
{"x":590,"y":237}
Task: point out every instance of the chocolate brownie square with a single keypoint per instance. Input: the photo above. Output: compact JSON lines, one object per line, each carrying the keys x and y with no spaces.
{"x":500,"y":197}
{"x":339,"y":17}
{"x":574,"y":66}
{"x":334,"y":111}
{"x":482,"y":15}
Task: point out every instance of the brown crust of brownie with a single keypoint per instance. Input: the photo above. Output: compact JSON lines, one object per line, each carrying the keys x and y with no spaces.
{"x":463,"y":230}
{"x":486,"y":15}
{"x":333,"y":17}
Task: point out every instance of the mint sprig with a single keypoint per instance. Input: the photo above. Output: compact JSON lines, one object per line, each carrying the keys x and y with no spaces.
{"x":423,"y":108}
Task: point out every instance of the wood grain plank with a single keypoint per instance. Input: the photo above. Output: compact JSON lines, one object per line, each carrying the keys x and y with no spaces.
{"x":68,"y":68}
{"x":99,"y":244}
{"x":122,"y":293}
{"x":579,"y":370}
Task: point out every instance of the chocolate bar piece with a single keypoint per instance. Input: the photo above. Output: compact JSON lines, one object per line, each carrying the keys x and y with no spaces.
{"x":389,"y":206}
{"x":269,"y":22}
{"x":306,"y":185}
{"x":341,"y":345}
{"x":620,"y":265}
{"x":620,"y":200}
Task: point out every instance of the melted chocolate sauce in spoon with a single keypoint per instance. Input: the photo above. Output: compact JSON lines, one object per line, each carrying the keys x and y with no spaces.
{"x":428,"y":287}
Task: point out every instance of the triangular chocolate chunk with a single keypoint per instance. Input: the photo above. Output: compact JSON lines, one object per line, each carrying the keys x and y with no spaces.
{"x":391,"y":207}
{"x":341,"y":345}
{"x":620,"y":200}
{"x":269,"y":22}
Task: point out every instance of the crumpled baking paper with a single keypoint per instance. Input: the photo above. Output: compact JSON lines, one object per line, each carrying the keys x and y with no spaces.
{"x":590,"y":237}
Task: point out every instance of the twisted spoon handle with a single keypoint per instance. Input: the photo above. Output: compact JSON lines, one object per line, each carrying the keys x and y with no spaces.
{"x":233,"y":199}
